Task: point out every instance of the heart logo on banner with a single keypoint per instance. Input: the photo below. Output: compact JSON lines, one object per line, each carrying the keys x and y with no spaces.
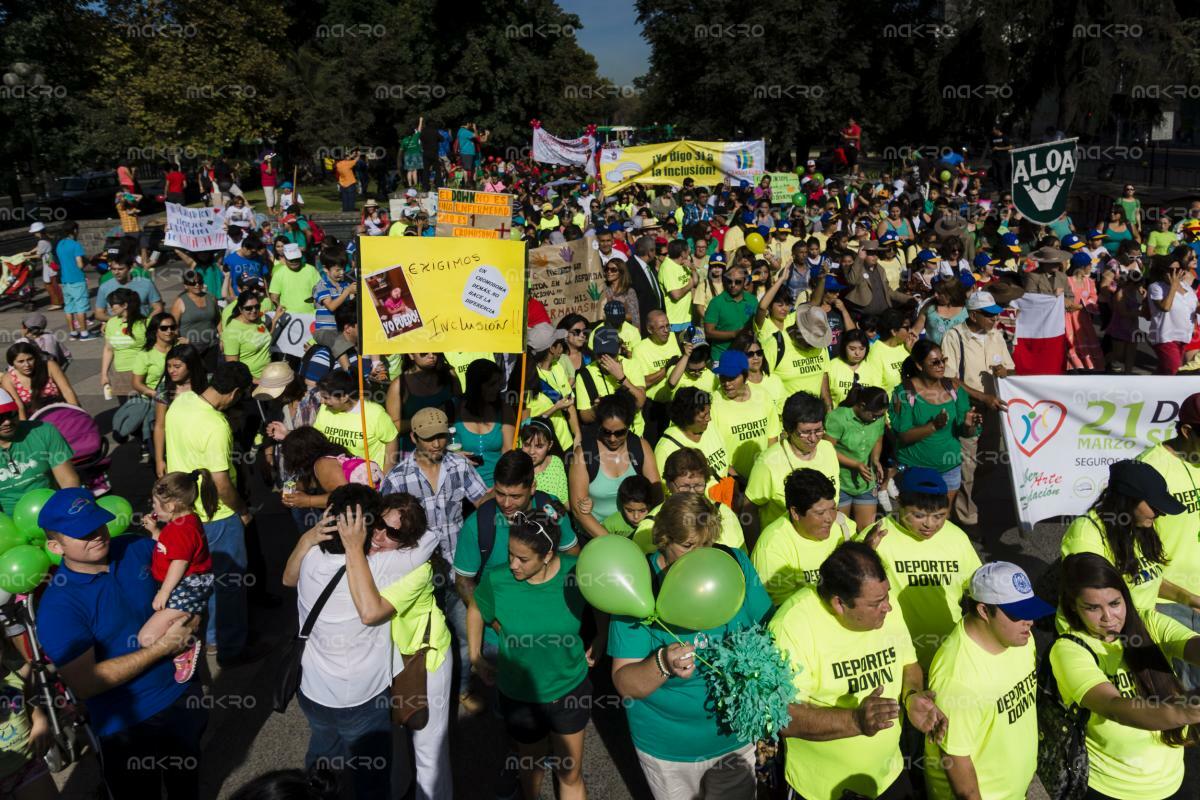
{"x":1036,"y":423}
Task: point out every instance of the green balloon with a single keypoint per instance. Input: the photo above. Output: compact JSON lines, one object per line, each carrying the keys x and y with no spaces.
{"x":818,"y":177}
{"x":614,"y":577}
{"x":945,"y":175}
{"x":119,"y":507}
{"x":704,"y":589}
{"x":22,"y":568}
{"x":55,"y":558}
{"x":798,"y":199}
{"x":25,"y":515}
{"x":10,"y":537}
{"x":800,"y":171}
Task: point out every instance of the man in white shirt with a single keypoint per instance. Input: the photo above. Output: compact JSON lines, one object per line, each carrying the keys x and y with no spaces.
{"x":348,"y":666}
{"x":976,"y":354}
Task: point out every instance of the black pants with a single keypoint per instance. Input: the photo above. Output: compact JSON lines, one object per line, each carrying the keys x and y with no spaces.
{"x":900,"y":789}
{"x":162,"y":752}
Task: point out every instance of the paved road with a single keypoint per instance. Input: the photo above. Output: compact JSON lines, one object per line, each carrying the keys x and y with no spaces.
{"x":245,"y":738}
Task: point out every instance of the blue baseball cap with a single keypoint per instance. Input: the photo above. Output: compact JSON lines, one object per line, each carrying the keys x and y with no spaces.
{"x":782,"y":225}
{"x":922,"y":480}
{"x":732,"y":364}
{"x":1072,"y":242}
{"x":616,"y":226}
{"x":1011,"y":241}
{"x":966,"y":279}
{"x":1095,"y":233}
{"x":747,"y":217}
{"x":716,"y":258}
{"x":832,"y":284}
{"x":983,"y":259}
{"x":74,"y":513}
{"x":1081,"y":260}
{"x":927,"y":255}
{"x":889,"y":237}
{"x":1004,"y":584}
{"x":764,"y":230}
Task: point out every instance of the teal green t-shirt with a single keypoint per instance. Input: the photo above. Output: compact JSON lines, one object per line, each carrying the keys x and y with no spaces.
{"x":729,"y":315}
{"x":676,"y":722}
{"x":466,"y":552}
{"x":940,"y":450}
{"x":36,"y":448}
{"x":855,"y":439}
{"x":541,"y":650}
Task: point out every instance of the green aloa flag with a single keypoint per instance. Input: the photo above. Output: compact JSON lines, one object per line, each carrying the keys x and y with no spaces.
{"x":1041,"y":179}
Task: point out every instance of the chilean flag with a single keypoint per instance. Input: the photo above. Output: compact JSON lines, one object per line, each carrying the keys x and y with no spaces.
{"x":1041,"y":340}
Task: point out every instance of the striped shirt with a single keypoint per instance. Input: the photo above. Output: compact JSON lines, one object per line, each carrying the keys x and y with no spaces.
{"x":326,"y":289}
{"x":457,"y":480}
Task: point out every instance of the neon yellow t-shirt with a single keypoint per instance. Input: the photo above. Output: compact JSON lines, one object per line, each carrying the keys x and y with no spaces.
{"x":730,"y":535}
{"x":250,"y":344}
{"x":765,"y":486}
{"x":886,"y":359}
{"x":126,"y":342}
{"x":541,"y":404}
{"x":706,"y":382}
{"x":775,"y":390}
{"x":711,"y":443}
{"x":842,"y":375}
{"x":605,"y":385}
{"x":652,"y":357}
{"x":151,"y":364}
{"x":928,"y":578}
{"x":412,"y":597}
{"x":345,"y":428}
{"x":673,"y":276}
{"x":1178,"y":532}
{"x":198,"y":436}
{"x":838,"y":668}
{"x":1123,"y":762}
{"x":990,"y":700}
{"x":295,"y":288}
{"x":1083,"y":536}
{"x":802,"y":369}
{"x":787,"y":561}
{"x":745,"y":425}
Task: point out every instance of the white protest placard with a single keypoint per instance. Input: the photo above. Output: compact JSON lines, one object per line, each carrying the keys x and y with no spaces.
{"x":296,"y":335}
{"x":194,"y":229}
{"x":1062,"y":432}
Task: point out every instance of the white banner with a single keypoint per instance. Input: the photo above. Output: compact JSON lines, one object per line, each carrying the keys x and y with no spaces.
{"x":1062,"y":432}
{"x":194,"y":229}
{"x":296,"y":335}
{"x":565,"y":152}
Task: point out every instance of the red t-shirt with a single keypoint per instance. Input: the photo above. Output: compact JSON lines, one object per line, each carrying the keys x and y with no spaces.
{"x":174,"y":180}
{"x":268,"y":178}
{"x":181,"y":539}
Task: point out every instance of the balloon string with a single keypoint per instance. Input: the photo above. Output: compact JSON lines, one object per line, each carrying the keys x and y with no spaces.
{"x":658,"y":622}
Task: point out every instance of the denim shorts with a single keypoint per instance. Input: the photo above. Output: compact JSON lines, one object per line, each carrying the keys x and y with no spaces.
{"x":953,"y":478}
{"x":864,"y":499}
{"x":192,"y":593}
{"x":75,"y":298}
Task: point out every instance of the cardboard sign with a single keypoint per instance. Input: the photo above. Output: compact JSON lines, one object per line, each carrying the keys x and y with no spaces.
{"x":567,"y":279}
{"x":194,"y":229}
{"x":297,"y":334}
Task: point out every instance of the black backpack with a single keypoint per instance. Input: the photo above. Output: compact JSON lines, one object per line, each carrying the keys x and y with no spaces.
{"x":485,"y":517}
{"x":591,"y":452}
{"x":1062,"y":763}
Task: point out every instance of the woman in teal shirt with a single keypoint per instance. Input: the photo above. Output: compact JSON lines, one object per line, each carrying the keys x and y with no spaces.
{"x":929,"y":412}
{"x":483,"y":424}
{"x":670,"y":715}
{"x":534,"y":604}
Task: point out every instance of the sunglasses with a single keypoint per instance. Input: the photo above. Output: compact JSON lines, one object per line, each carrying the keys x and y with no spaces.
{"x":577,"y":331}
{"x":250,"y":308}
{"x":8,"y":416}
{"x":617,"y":434}
{"x":936,"y":362}
{"x":521,"y":518}
{"x":753,"y":353}
{"x":168,"y":327}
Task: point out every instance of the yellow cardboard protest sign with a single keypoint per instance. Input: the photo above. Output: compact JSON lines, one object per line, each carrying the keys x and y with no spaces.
{"x":434,"y":295}
{"x":669,"y":163}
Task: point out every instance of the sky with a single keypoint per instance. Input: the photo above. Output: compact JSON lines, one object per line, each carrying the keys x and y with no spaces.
{"x":611,"y":33}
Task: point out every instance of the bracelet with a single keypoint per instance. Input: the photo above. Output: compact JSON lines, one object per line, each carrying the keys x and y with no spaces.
{"x":658,"y":662}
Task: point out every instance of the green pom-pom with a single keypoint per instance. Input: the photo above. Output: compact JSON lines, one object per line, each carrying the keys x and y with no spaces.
{"x":749,"y":682}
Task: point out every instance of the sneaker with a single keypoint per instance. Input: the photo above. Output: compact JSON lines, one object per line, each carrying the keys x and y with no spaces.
{"x":83,"y":337}
{"x":185,"y":663}
{"x":471,"y":703}
{"x":54,"y":308}
{"x":74,"y":334}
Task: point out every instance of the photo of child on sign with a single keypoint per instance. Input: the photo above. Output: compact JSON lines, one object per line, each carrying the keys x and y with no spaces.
{"x":393,"y":301}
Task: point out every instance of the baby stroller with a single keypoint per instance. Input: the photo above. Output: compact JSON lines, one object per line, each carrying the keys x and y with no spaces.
{"x":16,"y":280}
{"x":83,"y":434}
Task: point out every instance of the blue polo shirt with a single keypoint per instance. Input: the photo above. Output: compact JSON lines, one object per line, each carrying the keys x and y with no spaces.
{"x":104,"y":612}
{"x":67,"y":251}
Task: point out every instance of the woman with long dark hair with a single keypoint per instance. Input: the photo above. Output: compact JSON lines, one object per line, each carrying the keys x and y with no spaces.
{"x":247,"y":338}
{"x":851,"y":367}
{"x":577,"y":354}
{"x":1115,"y":662}
{"x":183,"y":372}
{"x":1120,"y":527}
{"x":136,"y":418}
{"x":34,"y":380}
{"x":314,"y":469}
{"x":485,"y":423}
{"x":426,"y":380}
{"x":929,"y":412}
{"x":124,"y":333}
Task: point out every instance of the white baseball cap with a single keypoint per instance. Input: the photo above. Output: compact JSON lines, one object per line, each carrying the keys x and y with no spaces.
{"x":541,"y":336}
{"x":1004,"y":584}
{"x":411,"y":193}
{"x":983,"y":301}
{"x":37,"y":227}
{"x":292,"y":252}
